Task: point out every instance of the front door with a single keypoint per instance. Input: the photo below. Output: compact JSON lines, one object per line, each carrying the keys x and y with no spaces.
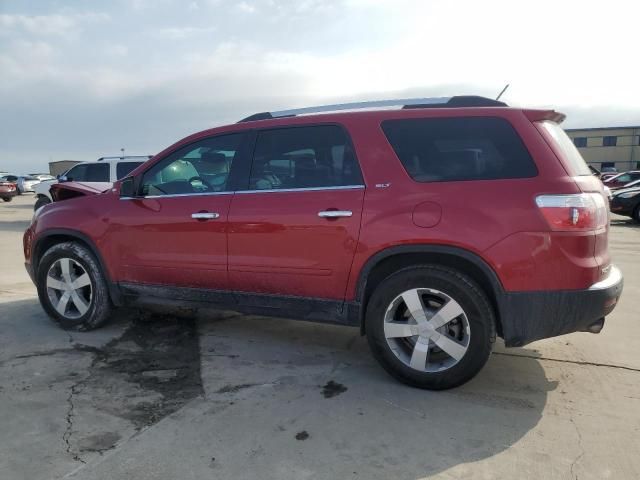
{"x":175,"y":233}
{"x":295,"y":230}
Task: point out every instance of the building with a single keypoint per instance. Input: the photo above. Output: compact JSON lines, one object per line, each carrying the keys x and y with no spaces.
{"x":617,"y":147}
{"x":61,"y":166}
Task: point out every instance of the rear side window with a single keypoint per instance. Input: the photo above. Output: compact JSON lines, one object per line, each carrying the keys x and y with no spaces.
{"x":125,"y":168}
{"x":454,"y":149}
{"x":303,"y":157}
{"x":571,"y":157}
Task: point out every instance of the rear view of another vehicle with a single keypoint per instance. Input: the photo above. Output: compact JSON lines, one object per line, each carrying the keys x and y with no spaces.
{"x":8,"y":190}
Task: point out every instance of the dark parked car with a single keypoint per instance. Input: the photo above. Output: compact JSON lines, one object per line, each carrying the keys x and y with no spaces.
{"x":8,"y":190}
{"x":384,"y":220}
{"x":627,"y":202}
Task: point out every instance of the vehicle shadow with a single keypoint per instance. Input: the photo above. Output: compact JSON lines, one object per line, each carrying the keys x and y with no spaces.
{"x":624,"y":222}
{"x":378,"y":426}
{"x":19,"y":206}
{"x":14,"y":226}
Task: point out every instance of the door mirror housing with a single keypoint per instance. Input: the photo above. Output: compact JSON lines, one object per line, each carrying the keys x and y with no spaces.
{"x":63,"y":178}
{"x":128,"y":187}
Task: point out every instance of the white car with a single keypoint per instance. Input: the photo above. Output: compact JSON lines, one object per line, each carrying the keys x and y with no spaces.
{"x":27,"y":183}
{"x":105,"y":169}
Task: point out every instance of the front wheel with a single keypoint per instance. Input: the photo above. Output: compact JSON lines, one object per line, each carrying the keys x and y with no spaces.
{"x":72,"y":288}
{"x":41,"y":202}
{"x":430,"y":327}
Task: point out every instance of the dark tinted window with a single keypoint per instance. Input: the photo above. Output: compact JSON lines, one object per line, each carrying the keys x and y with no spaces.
{"x":202,"y":167}
{"x":304,"y":157}
{"x":89,"y":172}
{"x":609,"y":141}
{"x":580,"y":141}
{"x":447,"y":149}
{"x":125,"y":168}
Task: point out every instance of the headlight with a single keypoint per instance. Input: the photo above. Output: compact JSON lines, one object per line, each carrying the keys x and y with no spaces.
{"x":627,"y":194}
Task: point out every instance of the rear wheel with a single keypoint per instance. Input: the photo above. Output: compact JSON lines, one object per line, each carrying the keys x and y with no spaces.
{"x":72,"y":288}
{"x":6,"y":199}
{"x":430,"y":327}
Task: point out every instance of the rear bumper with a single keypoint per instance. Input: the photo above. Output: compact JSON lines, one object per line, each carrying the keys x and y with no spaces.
{"x":10,"y":194}
{"x":530,"y":316}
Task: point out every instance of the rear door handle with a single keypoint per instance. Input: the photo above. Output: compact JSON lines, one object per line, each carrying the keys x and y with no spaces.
{"x":205,"y":216}
{"x":335,"y":213}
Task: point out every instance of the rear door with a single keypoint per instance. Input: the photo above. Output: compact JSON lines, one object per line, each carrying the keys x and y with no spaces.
{"x":295,"y":229}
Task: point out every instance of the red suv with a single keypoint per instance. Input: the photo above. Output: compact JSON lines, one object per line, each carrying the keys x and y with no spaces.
{"x":432,"y":228}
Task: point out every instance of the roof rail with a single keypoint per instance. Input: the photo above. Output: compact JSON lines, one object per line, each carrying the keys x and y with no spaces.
{"x":405,"y":103}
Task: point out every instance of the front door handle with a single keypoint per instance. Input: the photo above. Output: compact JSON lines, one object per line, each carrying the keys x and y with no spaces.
{"x":335,"y":213}
{"x":205,"y":216}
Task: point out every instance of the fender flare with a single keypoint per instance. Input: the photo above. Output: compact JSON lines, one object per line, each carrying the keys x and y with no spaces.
{"x":114,"y":291}
{"x":496,"y":286}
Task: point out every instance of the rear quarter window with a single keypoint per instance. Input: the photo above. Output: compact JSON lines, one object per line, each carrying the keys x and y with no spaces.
{"x":571,"y":157}
{"x":455,"y":149}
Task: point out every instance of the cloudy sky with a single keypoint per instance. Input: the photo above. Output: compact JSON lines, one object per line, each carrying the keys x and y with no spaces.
{"x":82,"y":79}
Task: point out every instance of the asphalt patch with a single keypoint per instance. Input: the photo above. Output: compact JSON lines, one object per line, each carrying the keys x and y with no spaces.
{"x":331,"y":389}
{"x":160,"y":356}
{"x":303,"y":435}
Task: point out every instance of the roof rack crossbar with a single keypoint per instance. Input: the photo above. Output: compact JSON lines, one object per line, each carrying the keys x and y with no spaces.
{"x":455,"y":101}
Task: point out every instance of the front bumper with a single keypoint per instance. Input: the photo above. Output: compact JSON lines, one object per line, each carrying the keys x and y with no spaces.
{"x":530,"y":316}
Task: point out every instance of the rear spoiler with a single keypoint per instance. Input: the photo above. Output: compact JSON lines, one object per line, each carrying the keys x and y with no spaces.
{"x":541,"y":115}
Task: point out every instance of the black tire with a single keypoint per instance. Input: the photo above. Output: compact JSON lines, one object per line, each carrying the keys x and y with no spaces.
{"x":465,"y":292}
{"x":6,"y":199}
{"x":41,"y":202}
{"x":636,"y":214}
{"x":100,"y":305}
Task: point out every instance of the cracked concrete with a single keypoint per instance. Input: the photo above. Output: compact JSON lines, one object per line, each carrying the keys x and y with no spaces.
{"x":558,"y":409}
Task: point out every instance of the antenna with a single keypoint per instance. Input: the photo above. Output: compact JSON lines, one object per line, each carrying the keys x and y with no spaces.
{"x":503,"y":90}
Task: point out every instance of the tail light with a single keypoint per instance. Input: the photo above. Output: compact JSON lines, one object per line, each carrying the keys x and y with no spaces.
{"x":571,"y":213}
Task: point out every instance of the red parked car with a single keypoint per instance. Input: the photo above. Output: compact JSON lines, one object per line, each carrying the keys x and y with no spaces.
{"x":433,"y":228}
{"x":8,"y":189}
{"x":622,"y":179}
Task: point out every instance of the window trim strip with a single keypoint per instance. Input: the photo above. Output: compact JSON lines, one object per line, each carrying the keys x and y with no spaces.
{"x":273,"y":190}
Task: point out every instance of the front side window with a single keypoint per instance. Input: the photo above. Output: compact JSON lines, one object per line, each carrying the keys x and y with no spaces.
{"x":454,"y":149}
{"x":304,"y":157}
{"x":202,"y":167}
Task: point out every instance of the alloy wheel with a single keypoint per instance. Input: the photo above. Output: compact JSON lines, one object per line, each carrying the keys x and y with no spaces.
{"x":427,"y":330}
{"x":69,"y":288}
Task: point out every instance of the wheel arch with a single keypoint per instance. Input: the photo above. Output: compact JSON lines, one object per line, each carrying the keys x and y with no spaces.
{"x":392,"y":259}
{"x":60,"y":235}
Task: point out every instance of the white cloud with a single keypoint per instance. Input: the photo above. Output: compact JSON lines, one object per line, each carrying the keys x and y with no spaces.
{"x":181,"y":33}
{"x":56,"y":24}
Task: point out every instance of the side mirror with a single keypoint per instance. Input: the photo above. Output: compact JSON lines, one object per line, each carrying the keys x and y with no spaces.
{"x":64,"y":178}
{"x":127,"y":187}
